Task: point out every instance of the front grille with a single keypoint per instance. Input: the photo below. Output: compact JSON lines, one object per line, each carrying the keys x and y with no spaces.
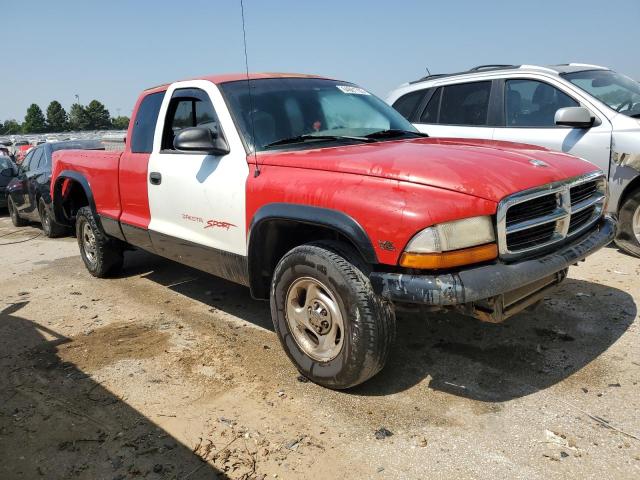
{"x":531,"y":236}
{"x":583,"y":191}
{"x":581,"y":218}
{"x":535,"y":219}
{"x":537,"y":207}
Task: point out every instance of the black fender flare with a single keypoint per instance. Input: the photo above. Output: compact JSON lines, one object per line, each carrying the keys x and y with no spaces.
{"x":334,"y":220}
{"x":57,"y":194}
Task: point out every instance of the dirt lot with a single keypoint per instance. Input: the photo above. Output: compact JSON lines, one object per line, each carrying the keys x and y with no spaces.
{"x":166,"y":372}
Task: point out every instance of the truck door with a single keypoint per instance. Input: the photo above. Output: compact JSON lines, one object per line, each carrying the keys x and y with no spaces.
{"x":459,"y":111}
{"x":17,"y":193}
{"x":529,"y":117}
{"x":197,"y":200}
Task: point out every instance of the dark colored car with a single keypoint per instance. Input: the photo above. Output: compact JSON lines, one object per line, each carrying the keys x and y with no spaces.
{"x":28,"y":194}
{"x":8,"y":171}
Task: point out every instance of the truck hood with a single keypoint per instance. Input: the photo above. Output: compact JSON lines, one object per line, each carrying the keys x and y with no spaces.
{"x":487,"y":169}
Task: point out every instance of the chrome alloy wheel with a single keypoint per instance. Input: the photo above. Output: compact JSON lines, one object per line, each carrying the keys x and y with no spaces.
{"x":314,"y":318}
{"x":89,"y":243}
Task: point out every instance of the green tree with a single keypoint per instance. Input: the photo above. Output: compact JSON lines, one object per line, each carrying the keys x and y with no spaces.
{"x":34,"y":121}
{"x":99,"y":118}
{"x":78,"y":118}
{"x":11,"y":127}
{"x":57,"y":119}
{"x":120,"y":123}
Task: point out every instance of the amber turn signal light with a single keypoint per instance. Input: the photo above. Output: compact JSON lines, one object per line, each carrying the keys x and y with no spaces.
{"x":453,"y":258}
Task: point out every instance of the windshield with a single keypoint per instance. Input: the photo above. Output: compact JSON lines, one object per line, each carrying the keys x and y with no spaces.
{"x":617,"y":91}
{"x":289,"y":108}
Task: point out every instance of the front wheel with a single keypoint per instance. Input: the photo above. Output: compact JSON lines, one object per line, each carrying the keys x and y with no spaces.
{"x":331,"y":324}
{"x":15,"y":217}
{"x":628,"y":237}
{"x":101,"y":255}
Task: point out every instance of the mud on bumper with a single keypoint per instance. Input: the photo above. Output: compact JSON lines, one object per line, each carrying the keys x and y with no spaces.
{"x":493,"y":292}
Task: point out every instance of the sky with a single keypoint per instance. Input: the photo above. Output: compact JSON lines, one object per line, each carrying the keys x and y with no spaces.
{"x":111,"y":50}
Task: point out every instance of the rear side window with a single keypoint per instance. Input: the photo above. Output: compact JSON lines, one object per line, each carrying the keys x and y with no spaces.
{"x":430,"y":114}
{"x":146,"y":118}
{"x":407,"y":104}
{"x":465,"y":104}
{"x":529,"y":103}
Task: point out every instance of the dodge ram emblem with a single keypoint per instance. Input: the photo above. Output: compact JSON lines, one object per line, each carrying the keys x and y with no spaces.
{"x":538,"y":163}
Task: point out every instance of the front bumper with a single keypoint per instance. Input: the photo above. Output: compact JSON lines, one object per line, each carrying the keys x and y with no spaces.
{"x":479,"y":284}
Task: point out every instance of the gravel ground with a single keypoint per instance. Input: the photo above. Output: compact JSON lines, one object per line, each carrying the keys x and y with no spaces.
{"x":166,"y":372}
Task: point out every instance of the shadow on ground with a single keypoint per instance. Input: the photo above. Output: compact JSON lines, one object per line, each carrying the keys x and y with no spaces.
{"x":462,"y":356}
{"x":58,"y":423}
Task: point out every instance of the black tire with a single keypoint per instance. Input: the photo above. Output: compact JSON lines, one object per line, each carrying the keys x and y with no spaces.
{"x":629,"y":213}
{"x":104,"y":256}
{"x":16,"y":219}
{"x":49,"y":226}
{"x":369,"y":322}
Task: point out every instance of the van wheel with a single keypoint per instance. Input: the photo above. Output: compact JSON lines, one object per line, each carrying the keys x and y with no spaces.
{"x":15,"y":217}
{"x":331,"y":324}
{"x":628,"y":237}
{"x":49,"y":226}
{"x":101,"y":255}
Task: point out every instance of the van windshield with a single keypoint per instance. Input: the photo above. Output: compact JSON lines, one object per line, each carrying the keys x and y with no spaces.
{"x":287,"y":112}
{"x":617,"y":91}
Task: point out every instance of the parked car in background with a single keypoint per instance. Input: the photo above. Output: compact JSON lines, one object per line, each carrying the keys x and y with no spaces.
{"x":324,"y":200}
{"x":586,"y":110}
{"x":28,"y":194}
{"x":8,"y":171}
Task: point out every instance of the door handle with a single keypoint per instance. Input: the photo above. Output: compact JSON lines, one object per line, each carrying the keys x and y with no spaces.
{"x":155,"y":178}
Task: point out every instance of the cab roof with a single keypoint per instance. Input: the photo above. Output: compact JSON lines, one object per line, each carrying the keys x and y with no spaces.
{"x":234,"y":77}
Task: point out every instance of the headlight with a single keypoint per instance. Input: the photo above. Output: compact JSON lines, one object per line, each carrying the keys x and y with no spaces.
{"x":451,"y":244}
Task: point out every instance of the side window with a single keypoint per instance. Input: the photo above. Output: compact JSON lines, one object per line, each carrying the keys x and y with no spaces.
{"x":188,"y":108}
{"x":430,"y":114}
{"x":145,"y":123}
{"x":36,"y":159}
{"x":26,"y":163}
{"x":529,"y":103}
{"x":465,"y":104}
{"x":406,"y":105}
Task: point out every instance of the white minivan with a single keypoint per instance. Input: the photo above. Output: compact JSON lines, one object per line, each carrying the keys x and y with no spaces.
{"x":585,"y":110}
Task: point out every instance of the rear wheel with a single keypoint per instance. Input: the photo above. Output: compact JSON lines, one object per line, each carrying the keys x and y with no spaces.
{"x":101,"y":255}
{"x":50,"y":228}
{"x":331,"y":324}
{"x":628,"y":238}
{"x":15,"y":217}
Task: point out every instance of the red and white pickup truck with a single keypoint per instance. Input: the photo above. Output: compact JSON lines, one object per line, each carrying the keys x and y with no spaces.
{"x":318,"y":196}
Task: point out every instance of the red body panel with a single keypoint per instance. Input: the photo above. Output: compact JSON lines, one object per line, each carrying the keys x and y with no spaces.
{"x":100,"y":169}
{"x":388,"y":210}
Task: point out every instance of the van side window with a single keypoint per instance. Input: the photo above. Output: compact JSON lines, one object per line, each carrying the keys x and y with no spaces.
{"x":188,"y":108}
{"x":530,"y":103}
{"x":26,"y":163}
{"x":406,"y":105}
{"x":465,"y":104}
{"x":145,"y":126}
{"x":430,"y":114}
{"x":36,"y":160}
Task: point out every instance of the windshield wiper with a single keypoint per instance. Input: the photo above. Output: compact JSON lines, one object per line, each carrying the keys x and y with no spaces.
{"x":394,"y":132}
{"x":314,"y":138}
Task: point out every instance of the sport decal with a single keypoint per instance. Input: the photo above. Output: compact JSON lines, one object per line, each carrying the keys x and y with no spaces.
{"x":218,"y":224}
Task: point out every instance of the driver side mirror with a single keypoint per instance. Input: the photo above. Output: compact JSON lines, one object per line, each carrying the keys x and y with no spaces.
{"x":200,"y":140}
{"x":577,"y":117}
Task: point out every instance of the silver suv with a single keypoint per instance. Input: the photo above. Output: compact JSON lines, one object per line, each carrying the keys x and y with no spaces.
{"x":585,"y":110}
